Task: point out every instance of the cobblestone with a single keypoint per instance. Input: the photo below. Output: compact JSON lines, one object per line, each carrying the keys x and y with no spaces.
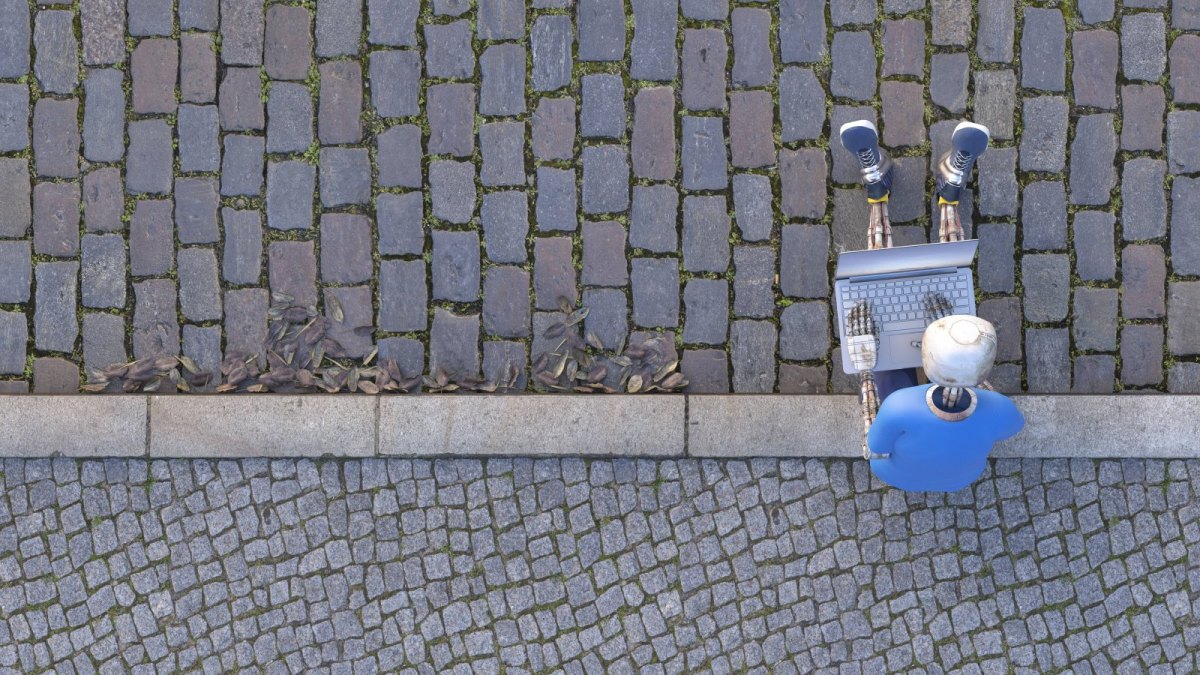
{"x":199,"y":148}
{"x":197,"y":68}
{"x":14,"y":111}
{"x":601,"y":30}
{"x":1143,"y":46}
{"x":102,"y":271}
{"x":1143,"y":280}
{"x":1095,"y":325}
{"x":1043,"y":50}
{"x":56,"y":138}
{"x":801,"y":104}
{"x":1141,"y":352}
{"x":287,"y":51}
{"x":404,"y":295}
{"x":1044,"y":217}
{"x":1043,"y":143}
{"x":57,"y":62}
{"x":1094,"y":81}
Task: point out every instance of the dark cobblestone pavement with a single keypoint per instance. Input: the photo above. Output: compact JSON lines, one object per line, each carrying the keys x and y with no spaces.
{"x":447,"y":169}
{"x":516,"y":565}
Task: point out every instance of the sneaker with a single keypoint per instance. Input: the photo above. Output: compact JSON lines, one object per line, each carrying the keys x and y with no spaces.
{"x":968,"y":142}
{"x":862,"y":140}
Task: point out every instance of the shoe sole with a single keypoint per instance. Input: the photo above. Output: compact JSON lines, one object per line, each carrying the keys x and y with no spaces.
{"x":975,"y":148}
{"x":857,"y":131}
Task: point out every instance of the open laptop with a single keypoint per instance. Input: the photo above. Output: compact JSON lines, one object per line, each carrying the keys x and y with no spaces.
{"x":896,"y":281}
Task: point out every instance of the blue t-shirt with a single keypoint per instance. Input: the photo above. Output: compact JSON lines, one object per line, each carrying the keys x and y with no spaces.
{"x":932,"y":454}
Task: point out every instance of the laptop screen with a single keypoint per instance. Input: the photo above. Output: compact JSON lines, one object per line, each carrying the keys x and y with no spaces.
{"x":906,"y":258}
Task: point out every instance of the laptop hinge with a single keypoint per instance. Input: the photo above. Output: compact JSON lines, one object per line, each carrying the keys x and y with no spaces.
{"x":908,"y":273}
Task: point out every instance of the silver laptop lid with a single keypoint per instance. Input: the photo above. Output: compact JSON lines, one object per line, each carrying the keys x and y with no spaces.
{"x":906,"y":258}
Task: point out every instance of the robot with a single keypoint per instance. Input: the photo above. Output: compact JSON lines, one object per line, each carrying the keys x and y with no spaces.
{"x":932,"y":437}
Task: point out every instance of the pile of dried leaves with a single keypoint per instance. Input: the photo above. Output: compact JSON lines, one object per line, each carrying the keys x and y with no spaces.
{"x":301,"y":356}
{"x":583,"y":365}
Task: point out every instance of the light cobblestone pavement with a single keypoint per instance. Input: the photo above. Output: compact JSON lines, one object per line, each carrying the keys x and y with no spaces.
{"x":566,"y":565}
{"x":448,"y":169}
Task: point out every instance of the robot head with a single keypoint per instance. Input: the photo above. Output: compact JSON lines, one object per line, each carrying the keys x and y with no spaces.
{"x":958,"y":350}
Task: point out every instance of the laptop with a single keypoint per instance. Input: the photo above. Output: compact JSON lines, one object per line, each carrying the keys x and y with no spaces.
{"x":896,"y":281}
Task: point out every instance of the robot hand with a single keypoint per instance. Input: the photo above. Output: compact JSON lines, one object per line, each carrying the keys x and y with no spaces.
{"x":862,"y":337}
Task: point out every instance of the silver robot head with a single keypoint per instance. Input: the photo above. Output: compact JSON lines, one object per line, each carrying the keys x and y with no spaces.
{"x":958,"y":350}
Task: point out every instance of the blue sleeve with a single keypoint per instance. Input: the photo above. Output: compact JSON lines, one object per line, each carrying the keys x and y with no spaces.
{"x":885,"y":429}
{"x":1009,"y":420}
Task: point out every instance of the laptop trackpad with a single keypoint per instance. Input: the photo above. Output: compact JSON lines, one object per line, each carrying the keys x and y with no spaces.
{"x":901,"y":351}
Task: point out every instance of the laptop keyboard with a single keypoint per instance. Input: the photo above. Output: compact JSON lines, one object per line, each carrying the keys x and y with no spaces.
{"x":899,"y":304}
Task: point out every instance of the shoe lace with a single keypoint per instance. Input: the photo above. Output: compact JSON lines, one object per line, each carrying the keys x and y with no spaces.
{"x":960,"y":161}
{"x":866,"y":157}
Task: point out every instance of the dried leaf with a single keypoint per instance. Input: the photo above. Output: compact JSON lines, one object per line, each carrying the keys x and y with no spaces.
{"x":598,"y":374}
{"x":564,"y":305}
{"x":560,"y":365}
{"x":95,"y":387}
{"x":594,"y":341}
{"x":672,"y":381}
{"x":295,"y":314}
{"x":665,"y":370}
{"x":221,"y":389}
{"x":578,"y":315}
{"x":239,"y":373}
{"x":555,"y":330}
{"x":116,"y":370}
{"x":141,"y":370}
{"x":635,"y":384}
{"x":188,"y":364}
{"x":198,"y":379}
{"x":335,"y":309}
{"x":282,"y":298}
{"x":368,"y":387}
{"x":371,"y":357}
{"x":441,"y":377}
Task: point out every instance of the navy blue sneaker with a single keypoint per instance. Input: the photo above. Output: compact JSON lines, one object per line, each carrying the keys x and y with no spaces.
{"x":861,"y":138}
{"x":969,"y":141}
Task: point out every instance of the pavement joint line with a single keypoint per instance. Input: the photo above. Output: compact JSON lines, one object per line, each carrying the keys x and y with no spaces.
{"x":644,"y":426}
{"x":378,"y":405}
{"x":149,"y":430}
{"x":687,"y":424}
